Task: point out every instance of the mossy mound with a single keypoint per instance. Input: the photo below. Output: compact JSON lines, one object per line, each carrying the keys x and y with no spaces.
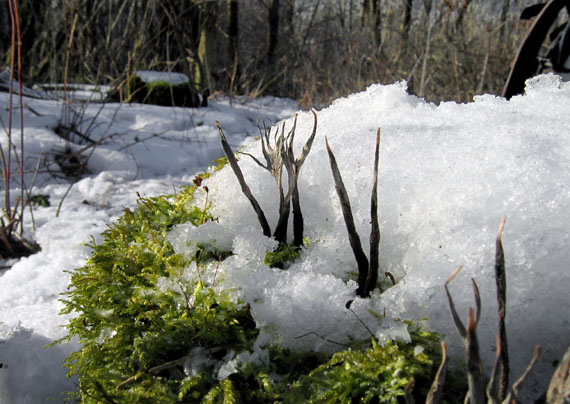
{"x":161,"y":92}
{"x":154,"y":327}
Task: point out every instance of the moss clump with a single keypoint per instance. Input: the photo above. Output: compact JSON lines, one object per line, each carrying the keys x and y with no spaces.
{"x":153,"y":329}
{"x":161,"y":93}
{"x":142,"y":309}
{"x":282,"y":256}
{"x":378,"y":374}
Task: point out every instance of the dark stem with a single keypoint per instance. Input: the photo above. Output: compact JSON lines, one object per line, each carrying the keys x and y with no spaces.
{"x":353,"y":237}
{"x":436,"y":388}
{"x":298,"y":225}
{"x":375,"y":231}
{"x":501,"y":279}
{"x":244,"y":187}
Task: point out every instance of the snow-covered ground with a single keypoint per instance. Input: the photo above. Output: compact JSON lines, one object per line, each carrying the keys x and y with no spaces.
{"x":448,"y":175}
{"x":150,"y":150}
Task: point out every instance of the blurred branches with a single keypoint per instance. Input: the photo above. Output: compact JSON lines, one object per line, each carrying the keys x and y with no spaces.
{"x":312,"y":51}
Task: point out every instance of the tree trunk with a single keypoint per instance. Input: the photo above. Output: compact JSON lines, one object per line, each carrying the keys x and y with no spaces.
{"x":370,"y":18}
{"x":233,"y":31}
{"x":31,"y":15}
{"x":405,"y":27}
{"x":504,"y":14}
{"x":273,"y":31}
{"x":289,"y":11}
{"x":208,"y":11}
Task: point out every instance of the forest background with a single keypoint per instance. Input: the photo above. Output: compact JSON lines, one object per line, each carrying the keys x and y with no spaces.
{"x":312,"y":51}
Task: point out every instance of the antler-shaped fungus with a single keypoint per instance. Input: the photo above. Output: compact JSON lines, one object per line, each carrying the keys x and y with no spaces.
{"x":293,"y":167}
{"x":367,"y":272}
{"x":497,"y":386}
{"x":244,"y":187}
{"x":274,"y":164}
{"x":276,"y":156}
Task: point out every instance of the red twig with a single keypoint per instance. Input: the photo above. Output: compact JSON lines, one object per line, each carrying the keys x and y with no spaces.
{"x":19,"y":49}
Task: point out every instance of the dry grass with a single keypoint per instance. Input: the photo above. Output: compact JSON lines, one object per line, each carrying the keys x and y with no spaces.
{"x":451,"y":50}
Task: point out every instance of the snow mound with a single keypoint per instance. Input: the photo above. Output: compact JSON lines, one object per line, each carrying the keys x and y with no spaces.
{"x":449,"y":173}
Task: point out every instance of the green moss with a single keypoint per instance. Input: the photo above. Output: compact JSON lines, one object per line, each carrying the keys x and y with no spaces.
{"x":378,"y":374}
{"x":139,"y":310}
{"x":282,"y":256}
{"x":161,"y":93}
{"x":145,"y":319}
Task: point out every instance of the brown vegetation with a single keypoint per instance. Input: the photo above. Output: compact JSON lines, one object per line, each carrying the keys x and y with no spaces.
{"x":312,"y":51}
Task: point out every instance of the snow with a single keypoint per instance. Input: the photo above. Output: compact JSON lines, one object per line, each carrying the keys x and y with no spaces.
{"x":150,"y":150}
{"x":449,"y":173}
{"x":149,"y":76}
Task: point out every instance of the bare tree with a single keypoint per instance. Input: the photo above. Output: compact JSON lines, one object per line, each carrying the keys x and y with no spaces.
{"x":233,"y":31}
{"x":288,"y":17}
{"x":370,"y":18}
{"x":272,"y":31}
{"x":405,"y":26}
{"x":202,"y":76}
